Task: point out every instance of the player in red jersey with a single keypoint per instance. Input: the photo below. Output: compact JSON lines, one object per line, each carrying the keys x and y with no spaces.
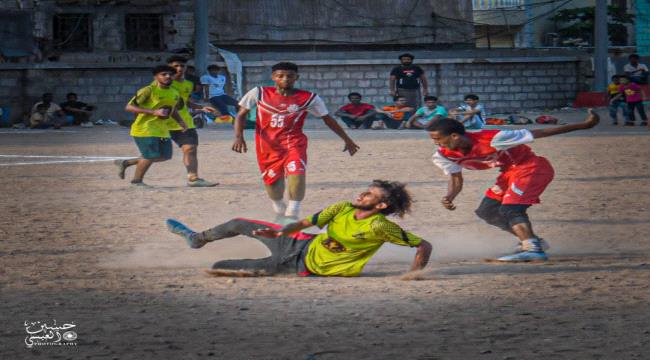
{"x":279,"y":141}
{"x":523,"y":177}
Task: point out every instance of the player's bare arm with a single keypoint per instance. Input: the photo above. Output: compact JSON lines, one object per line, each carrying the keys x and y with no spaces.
{"x":177,"y":117}
{"x":239,"y":145}
{"x":161,"y":113}
{"x":422,"y":256}
{"x":286,"y":230}
{"x":454,"y":187}
{"x":350,"y":146}
{"x":590,"y":121}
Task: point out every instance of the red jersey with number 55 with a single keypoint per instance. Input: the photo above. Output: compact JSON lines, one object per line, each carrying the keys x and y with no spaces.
{"x":280,"y":118}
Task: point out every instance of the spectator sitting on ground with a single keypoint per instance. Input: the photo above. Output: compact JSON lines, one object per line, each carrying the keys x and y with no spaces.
{"x":190,"y":74}
{"x":357,"y":114}
{"x":426,"y":114}
{"x":80,"y":112}
{"x":393,"y":115}
{"x":638,"y":73}
{"x":54,"y":115}
{"x":471,"y":113}
{"x":213,"y":90}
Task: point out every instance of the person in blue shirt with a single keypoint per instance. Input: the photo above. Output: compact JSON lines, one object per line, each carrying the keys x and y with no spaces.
{"x":471,"y":113}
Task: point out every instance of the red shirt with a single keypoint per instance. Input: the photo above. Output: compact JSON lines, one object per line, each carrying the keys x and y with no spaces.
{"x":357,"y":110}
{"x":484,"y":155}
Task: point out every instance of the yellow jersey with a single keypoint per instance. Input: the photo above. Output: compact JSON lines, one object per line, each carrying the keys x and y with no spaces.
{"x":184,"y":89}
{"x":350,"y":243}
{"x":153,"y":97}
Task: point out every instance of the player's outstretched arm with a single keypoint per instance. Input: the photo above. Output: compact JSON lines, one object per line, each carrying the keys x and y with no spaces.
{"x":286,"y":230}
{"x":350,"y":146}
{"x":454,"y":187}
{"x":422,"y":256}
{"x":239,"y":145}
{"x":590,"y":121}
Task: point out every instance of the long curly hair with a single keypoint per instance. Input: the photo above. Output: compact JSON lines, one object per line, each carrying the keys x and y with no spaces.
{"x":399,"y":200}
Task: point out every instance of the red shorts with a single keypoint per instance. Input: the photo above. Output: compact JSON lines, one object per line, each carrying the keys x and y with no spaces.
{"x":275,"y":165}
{"x":522,"y":184}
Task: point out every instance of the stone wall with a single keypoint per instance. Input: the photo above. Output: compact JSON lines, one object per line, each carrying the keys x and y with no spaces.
{"x":503,"y":84}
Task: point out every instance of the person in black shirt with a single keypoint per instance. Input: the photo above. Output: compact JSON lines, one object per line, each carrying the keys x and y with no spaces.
{"x":406,"y":79}
{"x":80,"y":111}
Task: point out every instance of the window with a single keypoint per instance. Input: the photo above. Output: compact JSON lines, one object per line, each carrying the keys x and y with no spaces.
{"x":144,"y":32}
{"x":72,"y":32}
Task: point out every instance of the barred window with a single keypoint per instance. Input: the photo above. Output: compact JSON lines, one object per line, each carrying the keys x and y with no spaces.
{"x":72,"y":32}
{"x":144,"y":32}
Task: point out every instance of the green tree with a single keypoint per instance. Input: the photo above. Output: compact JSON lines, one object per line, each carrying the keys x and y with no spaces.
{"x":579,"y":23}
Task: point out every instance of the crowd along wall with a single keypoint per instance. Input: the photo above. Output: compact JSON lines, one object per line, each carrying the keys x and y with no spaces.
{"x":504,"y":84}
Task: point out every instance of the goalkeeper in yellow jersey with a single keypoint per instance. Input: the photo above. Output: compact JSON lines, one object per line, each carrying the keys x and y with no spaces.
{"x":355,"y":231}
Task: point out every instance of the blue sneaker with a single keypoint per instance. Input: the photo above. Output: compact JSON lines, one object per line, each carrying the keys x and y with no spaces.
{"x":186,"y":233}
{"x":524,"y":256}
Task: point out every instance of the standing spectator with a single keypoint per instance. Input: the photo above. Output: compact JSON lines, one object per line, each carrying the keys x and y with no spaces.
{"x":79,"y":111}
{"x":638,"y":73}
{"x":356,"y":114}
{"x":213,"y":89}
{"x":54,"y":114}
{"x":393,"y":115}
{"x":471,"y":113}
{"x":616,"y":99}
{"x":406,"y":79}
{"x":632,"y":93}
{"x":427,"y":114}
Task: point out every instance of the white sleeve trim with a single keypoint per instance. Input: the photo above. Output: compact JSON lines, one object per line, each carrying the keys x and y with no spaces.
{"x":249,"y":100}
{"x":317,"y":107}
{"x":506,"y":139}
{"x":448,"y":167}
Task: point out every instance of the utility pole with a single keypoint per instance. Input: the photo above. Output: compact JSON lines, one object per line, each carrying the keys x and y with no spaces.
{"x":200,"y":36}
{"x":529,"y":30}
{"x":601,"y":41}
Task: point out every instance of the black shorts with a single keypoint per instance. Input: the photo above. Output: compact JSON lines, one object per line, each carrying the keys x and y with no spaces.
{"x":189,"y":137}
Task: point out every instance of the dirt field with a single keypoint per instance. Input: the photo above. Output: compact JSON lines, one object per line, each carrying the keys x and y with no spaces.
{"x":80,"y":245}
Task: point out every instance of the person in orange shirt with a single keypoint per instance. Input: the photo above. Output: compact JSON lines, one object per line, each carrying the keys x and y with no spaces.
{"x":394,"y":115}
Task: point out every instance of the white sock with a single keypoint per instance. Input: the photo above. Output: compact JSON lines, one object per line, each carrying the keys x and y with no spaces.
{"x":279,"y":206}
{"x":293,"y":209}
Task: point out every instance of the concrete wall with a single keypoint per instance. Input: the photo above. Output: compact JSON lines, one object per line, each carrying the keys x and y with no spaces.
{"x":286,"y":22}
{"x":504,"y":84}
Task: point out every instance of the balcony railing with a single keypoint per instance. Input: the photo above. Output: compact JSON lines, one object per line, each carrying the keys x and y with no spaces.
{"x":496,"y":4}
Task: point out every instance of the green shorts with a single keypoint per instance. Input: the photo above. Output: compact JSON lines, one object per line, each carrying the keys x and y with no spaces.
{"x":154,"y":147}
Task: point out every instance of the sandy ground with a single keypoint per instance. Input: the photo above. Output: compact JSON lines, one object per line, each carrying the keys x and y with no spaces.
{"x":80,"y":245}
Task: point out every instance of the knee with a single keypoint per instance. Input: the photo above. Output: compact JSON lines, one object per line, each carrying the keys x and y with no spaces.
{"x":515,"y":214}
{"x":189,"y":149}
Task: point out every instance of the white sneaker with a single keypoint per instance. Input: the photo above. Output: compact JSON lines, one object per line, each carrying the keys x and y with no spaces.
{"x":87,"y":124}
{"x":377,"y":125}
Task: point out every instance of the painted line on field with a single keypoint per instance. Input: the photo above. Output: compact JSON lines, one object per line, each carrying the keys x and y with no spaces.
{"x":59,"y":159}
{"x":22,"y":132}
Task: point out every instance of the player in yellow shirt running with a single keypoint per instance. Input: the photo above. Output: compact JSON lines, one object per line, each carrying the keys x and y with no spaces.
{"x":188,"y":140}
{"x":154,"y":104}
{"x":355,"y":231}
